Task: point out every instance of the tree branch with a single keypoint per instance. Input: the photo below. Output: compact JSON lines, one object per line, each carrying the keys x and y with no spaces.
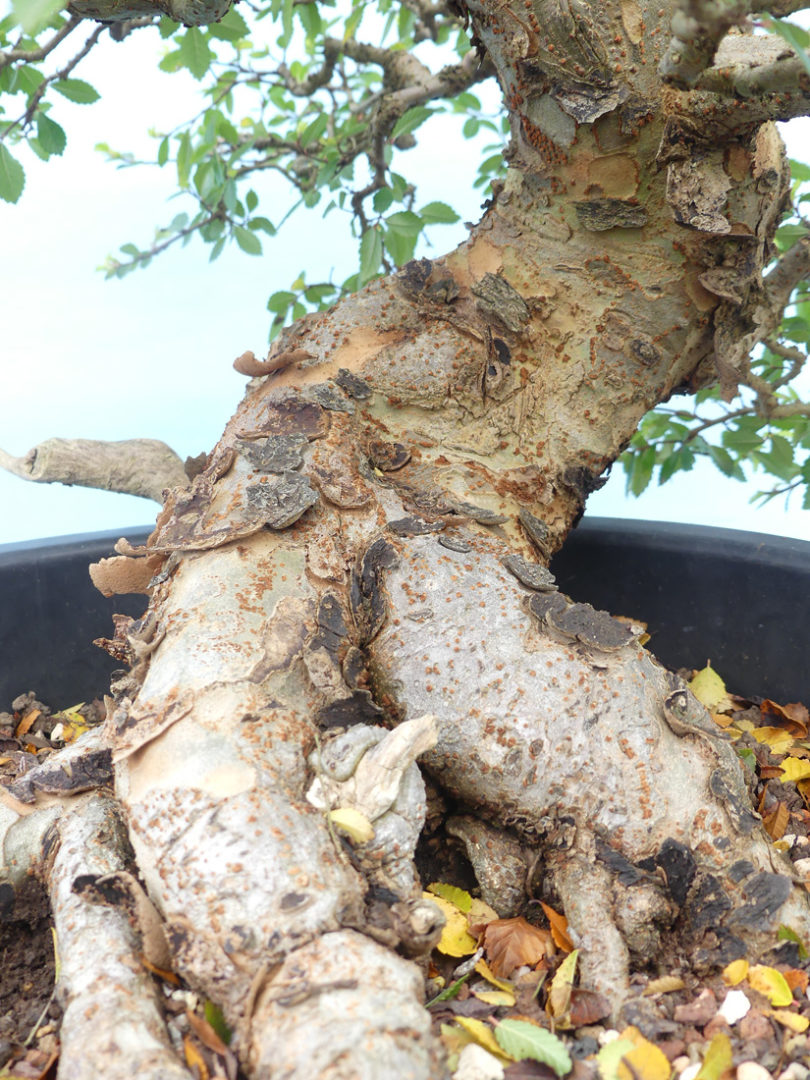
{"x":143,"y":467}
{"x":33,"y":56}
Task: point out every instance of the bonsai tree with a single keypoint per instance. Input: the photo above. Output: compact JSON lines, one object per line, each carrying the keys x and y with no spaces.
{"x":353,"y":655}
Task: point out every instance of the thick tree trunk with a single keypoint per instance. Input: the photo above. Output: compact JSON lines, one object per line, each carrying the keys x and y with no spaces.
{"x":366,"y":548}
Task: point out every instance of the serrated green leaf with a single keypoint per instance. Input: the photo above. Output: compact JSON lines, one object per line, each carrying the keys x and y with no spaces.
{"x":439,"y":213}
{"x":33,"y":15}
{"x":184,"y":160}
{"x":642,"y":470}
{"x":77,"y":91}
{"x":163,"y":151}
{"x":12,"y":176}
{"x":314,"y":130}
{"x":50,"y":135}
{"x":194,"y":52}
{"x":231,"y":27}
{"x":523,"y":1040}
{"x":248,"y":241}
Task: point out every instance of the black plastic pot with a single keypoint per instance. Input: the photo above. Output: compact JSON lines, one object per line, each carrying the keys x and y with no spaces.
{"x":740,"y":599}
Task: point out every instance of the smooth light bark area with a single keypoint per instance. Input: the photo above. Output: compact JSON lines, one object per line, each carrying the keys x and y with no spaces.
{"x":367,"y":547}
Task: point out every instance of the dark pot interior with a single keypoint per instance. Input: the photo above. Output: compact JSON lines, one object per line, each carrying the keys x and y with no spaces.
{"x":738,"y":599}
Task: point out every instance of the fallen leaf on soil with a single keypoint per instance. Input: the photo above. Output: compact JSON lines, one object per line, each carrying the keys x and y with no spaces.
{"x":644,"y":1060}
{"x":776,"y":739}
{"x":460,"y":897}
{"x":709,"y":688}
{"x":559,"y":992}
{"x":776,"y":822}
{"x":194,"y":1059}
{"x":482,"y":1034}
{"x":483,"y":968}
{"x":455,"y":939}
{"x":352,"y":823}
{"x":559,"y":928}
{"x":666,"y":984}
{"x":718,"y":1059}
{"x":735,"y":972}
{"x":587,"y":1007}
{"x":771,"y":983}
{"x":794,"y":769}
{"x":511,"y":943}
{"x":791,"y":1020}
{"x":793,"y":716}
{"x":496,"y":998}
{"x":521,"y":1039}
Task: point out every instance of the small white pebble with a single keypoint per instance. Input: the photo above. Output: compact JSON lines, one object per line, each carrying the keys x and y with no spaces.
{"x":752,"y":1070}
{"x":680,"y":1063}
{"x":476,"y":1063}
{"x":735,"y":1006}
{"x":794,"y":1071}
{"x":609,"y":1035}
{"x":802,"y":866}
{"x":691,"y":1071}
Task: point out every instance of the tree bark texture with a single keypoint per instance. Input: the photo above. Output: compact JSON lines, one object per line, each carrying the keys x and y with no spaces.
{"x":367,"y":548}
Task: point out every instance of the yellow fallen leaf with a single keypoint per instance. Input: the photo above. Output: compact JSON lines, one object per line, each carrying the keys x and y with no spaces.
{"x":559,"y":991}
{"x":496,"y":997}
{"x":460,"y":897}
{"x":483,"y":968}
{"x":354,"y":824}
{"x":456,"y":939}
{"x":771,"y":983}
{"x":735,"y":972}
{"x":559,"y":928}
{"x":666,"y":984}
{"x":708,"y":687}
{"x":791,"y":1020}
{"x":481,"y":913}
{"x":483,"y":1035}
{"x":610,"y":1056}
{"x":644,"y":1062}
{"x":718,"y":1059}
{"x":794,"y":768}
{"x":776,"y":739}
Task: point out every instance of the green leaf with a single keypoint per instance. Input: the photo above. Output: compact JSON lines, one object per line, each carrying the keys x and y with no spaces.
{"x":184,"y":160}
{"x":642,"y":468}
{"x":194,"y":52}
{"x":371,"y":253}
{"x":213,"y":1014}
{"x":12,"y":176}
{"x":799,"y":170}
{"x":523,"y":1040}
{"x":50,"y":135}
{"x":248,"y":241}
{"x":77,"y":90}
{"x":163,"y":151}
{"x":439,"y":213}
{"x":231,"y":27}
{"x":314,"y":130}
{"x":33,"y":15}
{"x":411,"y":120}
{"x":353,"y":21}
{"x":725,"y":462}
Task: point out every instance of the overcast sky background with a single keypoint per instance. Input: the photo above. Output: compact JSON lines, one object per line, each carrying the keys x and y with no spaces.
{"x":151,"y":355}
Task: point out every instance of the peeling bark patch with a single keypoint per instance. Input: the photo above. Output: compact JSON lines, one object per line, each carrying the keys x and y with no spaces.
{"x":498,"y":301}
{"x":544,"y":604}
{"x":135,"y":729}
{"x":280,"y":504}
{"x":740,"y":870}
{"x":331,"y":624}
{"x":765,"y":894}
{"x":90,"y":770}
{"x":276,"y":454}
{"x":536,"y":530}
{"x":678,"y":864}
{"x":477,"y":513}
{"x":285,"y":635}
{"x":291,"y":414}
{"x":329,"y":397}
{"x":532,"y":575}
{"x":356,"y":387}
{"x":413,"y":526}
{"x":599,"y":215}
{"x":367,"y":599}
{"x":353,"y":667}
{"x":455,"y":543}
{"x":413,"y":276}
{"x":708,"y":904}
{"x":387,"y":456}
{"x":360,"y":708}
{"x":620,"y":867}
{"x":595,"y":628}
{"x":697,"y":191}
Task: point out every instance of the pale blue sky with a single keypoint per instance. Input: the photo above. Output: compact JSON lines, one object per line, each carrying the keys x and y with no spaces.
{"x":151,"y":355}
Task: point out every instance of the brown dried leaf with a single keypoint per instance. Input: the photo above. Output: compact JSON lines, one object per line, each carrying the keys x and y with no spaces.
{"x":776,"y":822}
{"x":794,"y":717}
{"x":205,"y":1033}
{"x":587,"y":1007}
{"x":511,"y":943}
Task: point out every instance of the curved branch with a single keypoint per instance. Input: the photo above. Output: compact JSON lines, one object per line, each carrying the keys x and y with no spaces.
{"x":142,"y":467}
{"x":33,"y":56}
